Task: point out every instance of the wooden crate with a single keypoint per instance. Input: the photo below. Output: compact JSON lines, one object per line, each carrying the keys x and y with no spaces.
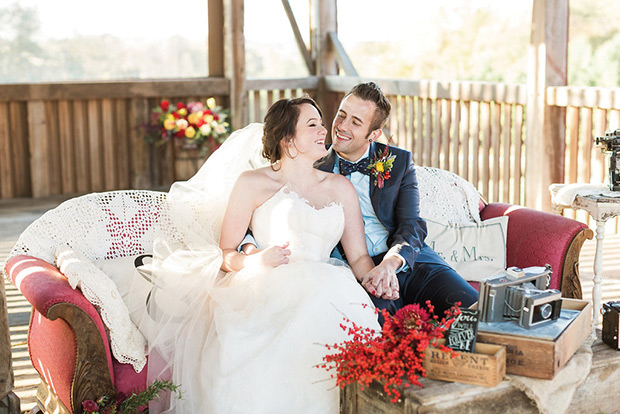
{"x":543,"y":358}
{"x":597,"y":394}
{"x":485,"y":366}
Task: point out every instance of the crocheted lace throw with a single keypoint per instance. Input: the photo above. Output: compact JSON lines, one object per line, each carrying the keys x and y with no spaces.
{"x":447,"y":198}
{"x":95,"y":227}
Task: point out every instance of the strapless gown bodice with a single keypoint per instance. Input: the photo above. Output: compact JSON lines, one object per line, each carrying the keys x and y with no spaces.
{"x":311,"y":232}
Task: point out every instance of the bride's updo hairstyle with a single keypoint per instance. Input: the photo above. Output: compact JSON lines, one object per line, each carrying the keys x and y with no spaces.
{"x":280,"y":126}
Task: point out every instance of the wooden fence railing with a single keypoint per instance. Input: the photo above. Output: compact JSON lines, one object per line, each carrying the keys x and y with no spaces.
{"x":82,"y":137}
{"x":263,"y":92}
{"x":590,"y":112}
{"x":471,"y":128}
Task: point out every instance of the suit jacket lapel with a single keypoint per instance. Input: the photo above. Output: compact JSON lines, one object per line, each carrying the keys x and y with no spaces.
{"x":373,"y":189}
{"x":327,"y":163}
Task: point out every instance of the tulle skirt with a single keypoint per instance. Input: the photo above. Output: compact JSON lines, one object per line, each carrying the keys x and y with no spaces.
{"x":255,"y":344}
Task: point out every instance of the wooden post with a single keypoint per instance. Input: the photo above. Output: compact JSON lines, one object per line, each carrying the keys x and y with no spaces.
{"x":545,"y":124}
{"x":6,"y":368}
{"x":323,"y":21}
{"x":216,"y":38}
{"x":234,"y":61}
{"x":39,"y":149}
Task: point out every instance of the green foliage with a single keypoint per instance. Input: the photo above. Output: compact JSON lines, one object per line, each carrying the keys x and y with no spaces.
{"x":594,"y":43}
{"x":132,"y":404}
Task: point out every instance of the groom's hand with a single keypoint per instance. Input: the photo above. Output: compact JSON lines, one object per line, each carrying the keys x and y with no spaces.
{"x":381,"y":281}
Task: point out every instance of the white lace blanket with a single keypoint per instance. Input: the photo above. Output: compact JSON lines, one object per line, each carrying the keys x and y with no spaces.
{"x":95,"y":227}
{"x":447,"y":198}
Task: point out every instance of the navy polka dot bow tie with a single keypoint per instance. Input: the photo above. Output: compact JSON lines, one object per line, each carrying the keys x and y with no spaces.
{"x":347,"y":167}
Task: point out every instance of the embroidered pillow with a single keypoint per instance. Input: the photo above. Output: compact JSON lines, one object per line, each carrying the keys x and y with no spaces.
{"x":475,"y":251}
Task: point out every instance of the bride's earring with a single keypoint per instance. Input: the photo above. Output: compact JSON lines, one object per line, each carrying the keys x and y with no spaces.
{"x":292,"y":151}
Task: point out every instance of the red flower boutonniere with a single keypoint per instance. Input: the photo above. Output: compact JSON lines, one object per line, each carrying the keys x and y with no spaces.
{"x":381,"y":166}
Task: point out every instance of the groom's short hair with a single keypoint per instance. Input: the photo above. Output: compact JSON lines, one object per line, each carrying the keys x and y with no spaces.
{"x":370,"y":91}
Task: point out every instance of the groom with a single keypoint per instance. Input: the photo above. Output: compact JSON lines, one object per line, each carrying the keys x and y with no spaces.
{"x":406,"y":269}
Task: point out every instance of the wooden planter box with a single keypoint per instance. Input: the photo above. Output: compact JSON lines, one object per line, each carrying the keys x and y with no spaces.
{"x":543,"y":357}
{"x":486,"y":366}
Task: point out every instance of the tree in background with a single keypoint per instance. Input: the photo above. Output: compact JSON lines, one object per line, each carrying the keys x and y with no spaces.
{"x":27,"y":57}
{"x":20,"y":53}
{"x":594,"y":43}
{"x":452,"y":40}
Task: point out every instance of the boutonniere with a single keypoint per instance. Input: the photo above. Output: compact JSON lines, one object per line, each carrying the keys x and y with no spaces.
{"x":381,"y":165}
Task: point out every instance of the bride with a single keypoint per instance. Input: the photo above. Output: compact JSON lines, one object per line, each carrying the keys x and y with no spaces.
{"x":248,"y":338}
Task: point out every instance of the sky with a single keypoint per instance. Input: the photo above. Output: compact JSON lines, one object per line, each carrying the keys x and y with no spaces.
{"x":157,"y":19}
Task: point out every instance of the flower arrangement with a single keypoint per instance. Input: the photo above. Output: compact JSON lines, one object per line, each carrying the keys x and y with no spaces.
{"x":381,"y":165}
{"x":193,"y":125}
{"x":393,"y":355}
{"x":135,"y":403}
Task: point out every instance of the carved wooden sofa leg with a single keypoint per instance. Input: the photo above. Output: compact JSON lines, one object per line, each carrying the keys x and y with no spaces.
{"x":571,"y":285}
{"x":92,"y":378}
{"x":47,"y":401}
{"x":67,"y":340}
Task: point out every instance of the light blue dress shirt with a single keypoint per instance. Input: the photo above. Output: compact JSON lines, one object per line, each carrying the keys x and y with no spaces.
{"x":376,"y":233}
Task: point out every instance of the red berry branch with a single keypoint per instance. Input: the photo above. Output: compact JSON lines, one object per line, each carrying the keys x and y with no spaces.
{"x":392,"y":356}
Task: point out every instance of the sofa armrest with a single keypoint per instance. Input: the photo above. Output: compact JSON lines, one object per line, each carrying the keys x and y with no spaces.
{"x":536,"y":238}
{"x":50,"y":294}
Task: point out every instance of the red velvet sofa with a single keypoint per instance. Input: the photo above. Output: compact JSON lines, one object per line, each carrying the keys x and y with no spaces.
{"x":70,"y":347}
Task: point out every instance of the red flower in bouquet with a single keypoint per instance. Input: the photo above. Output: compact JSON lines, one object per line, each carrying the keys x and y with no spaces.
{"x":192,"y":125}
{"x":392,"y":356}
{"x":90,"y":406}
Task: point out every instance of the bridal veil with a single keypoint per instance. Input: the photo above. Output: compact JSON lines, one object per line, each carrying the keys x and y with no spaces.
{"x":186,"y":260}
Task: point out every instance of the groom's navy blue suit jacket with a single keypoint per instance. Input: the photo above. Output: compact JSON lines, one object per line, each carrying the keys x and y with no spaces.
{"x":397,"y":206}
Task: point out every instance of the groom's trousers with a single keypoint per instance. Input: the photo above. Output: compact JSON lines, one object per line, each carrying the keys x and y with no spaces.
{"x":436,"y":282}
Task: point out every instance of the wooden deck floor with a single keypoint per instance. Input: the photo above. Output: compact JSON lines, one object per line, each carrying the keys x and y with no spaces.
{"x":16,"y":215}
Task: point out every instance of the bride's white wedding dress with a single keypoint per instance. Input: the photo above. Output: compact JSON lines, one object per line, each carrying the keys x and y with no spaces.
{"x":250,"y":341}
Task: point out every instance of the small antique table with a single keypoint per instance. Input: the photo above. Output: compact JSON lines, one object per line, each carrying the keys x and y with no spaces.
{"x":601,"y":208}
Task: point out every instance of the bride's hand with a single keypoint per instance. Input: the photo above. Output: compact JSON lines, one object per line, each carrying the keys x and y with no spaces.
{"x":382,"y":282}
{"x":273,"y":256}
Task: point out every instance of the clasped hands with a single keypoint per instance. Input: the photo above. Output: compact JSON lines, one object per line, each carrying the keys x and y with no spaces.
{"x":381,"y":281}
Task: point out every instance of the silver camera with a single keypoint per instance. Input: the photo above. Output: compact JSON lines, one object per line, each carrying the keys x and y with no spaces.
{"x":520,"y":295}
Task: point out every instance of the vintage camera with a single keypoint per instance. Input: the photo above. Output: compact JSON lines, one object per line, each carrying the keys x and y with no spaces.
{"x":611,"y":315}
{"x":611,"y":146}
{"x":520,"y":295}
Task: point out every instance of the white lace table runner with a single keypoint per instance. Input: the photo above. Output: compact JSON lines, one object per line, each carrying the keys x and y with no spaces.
{"x":566,"y":193}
